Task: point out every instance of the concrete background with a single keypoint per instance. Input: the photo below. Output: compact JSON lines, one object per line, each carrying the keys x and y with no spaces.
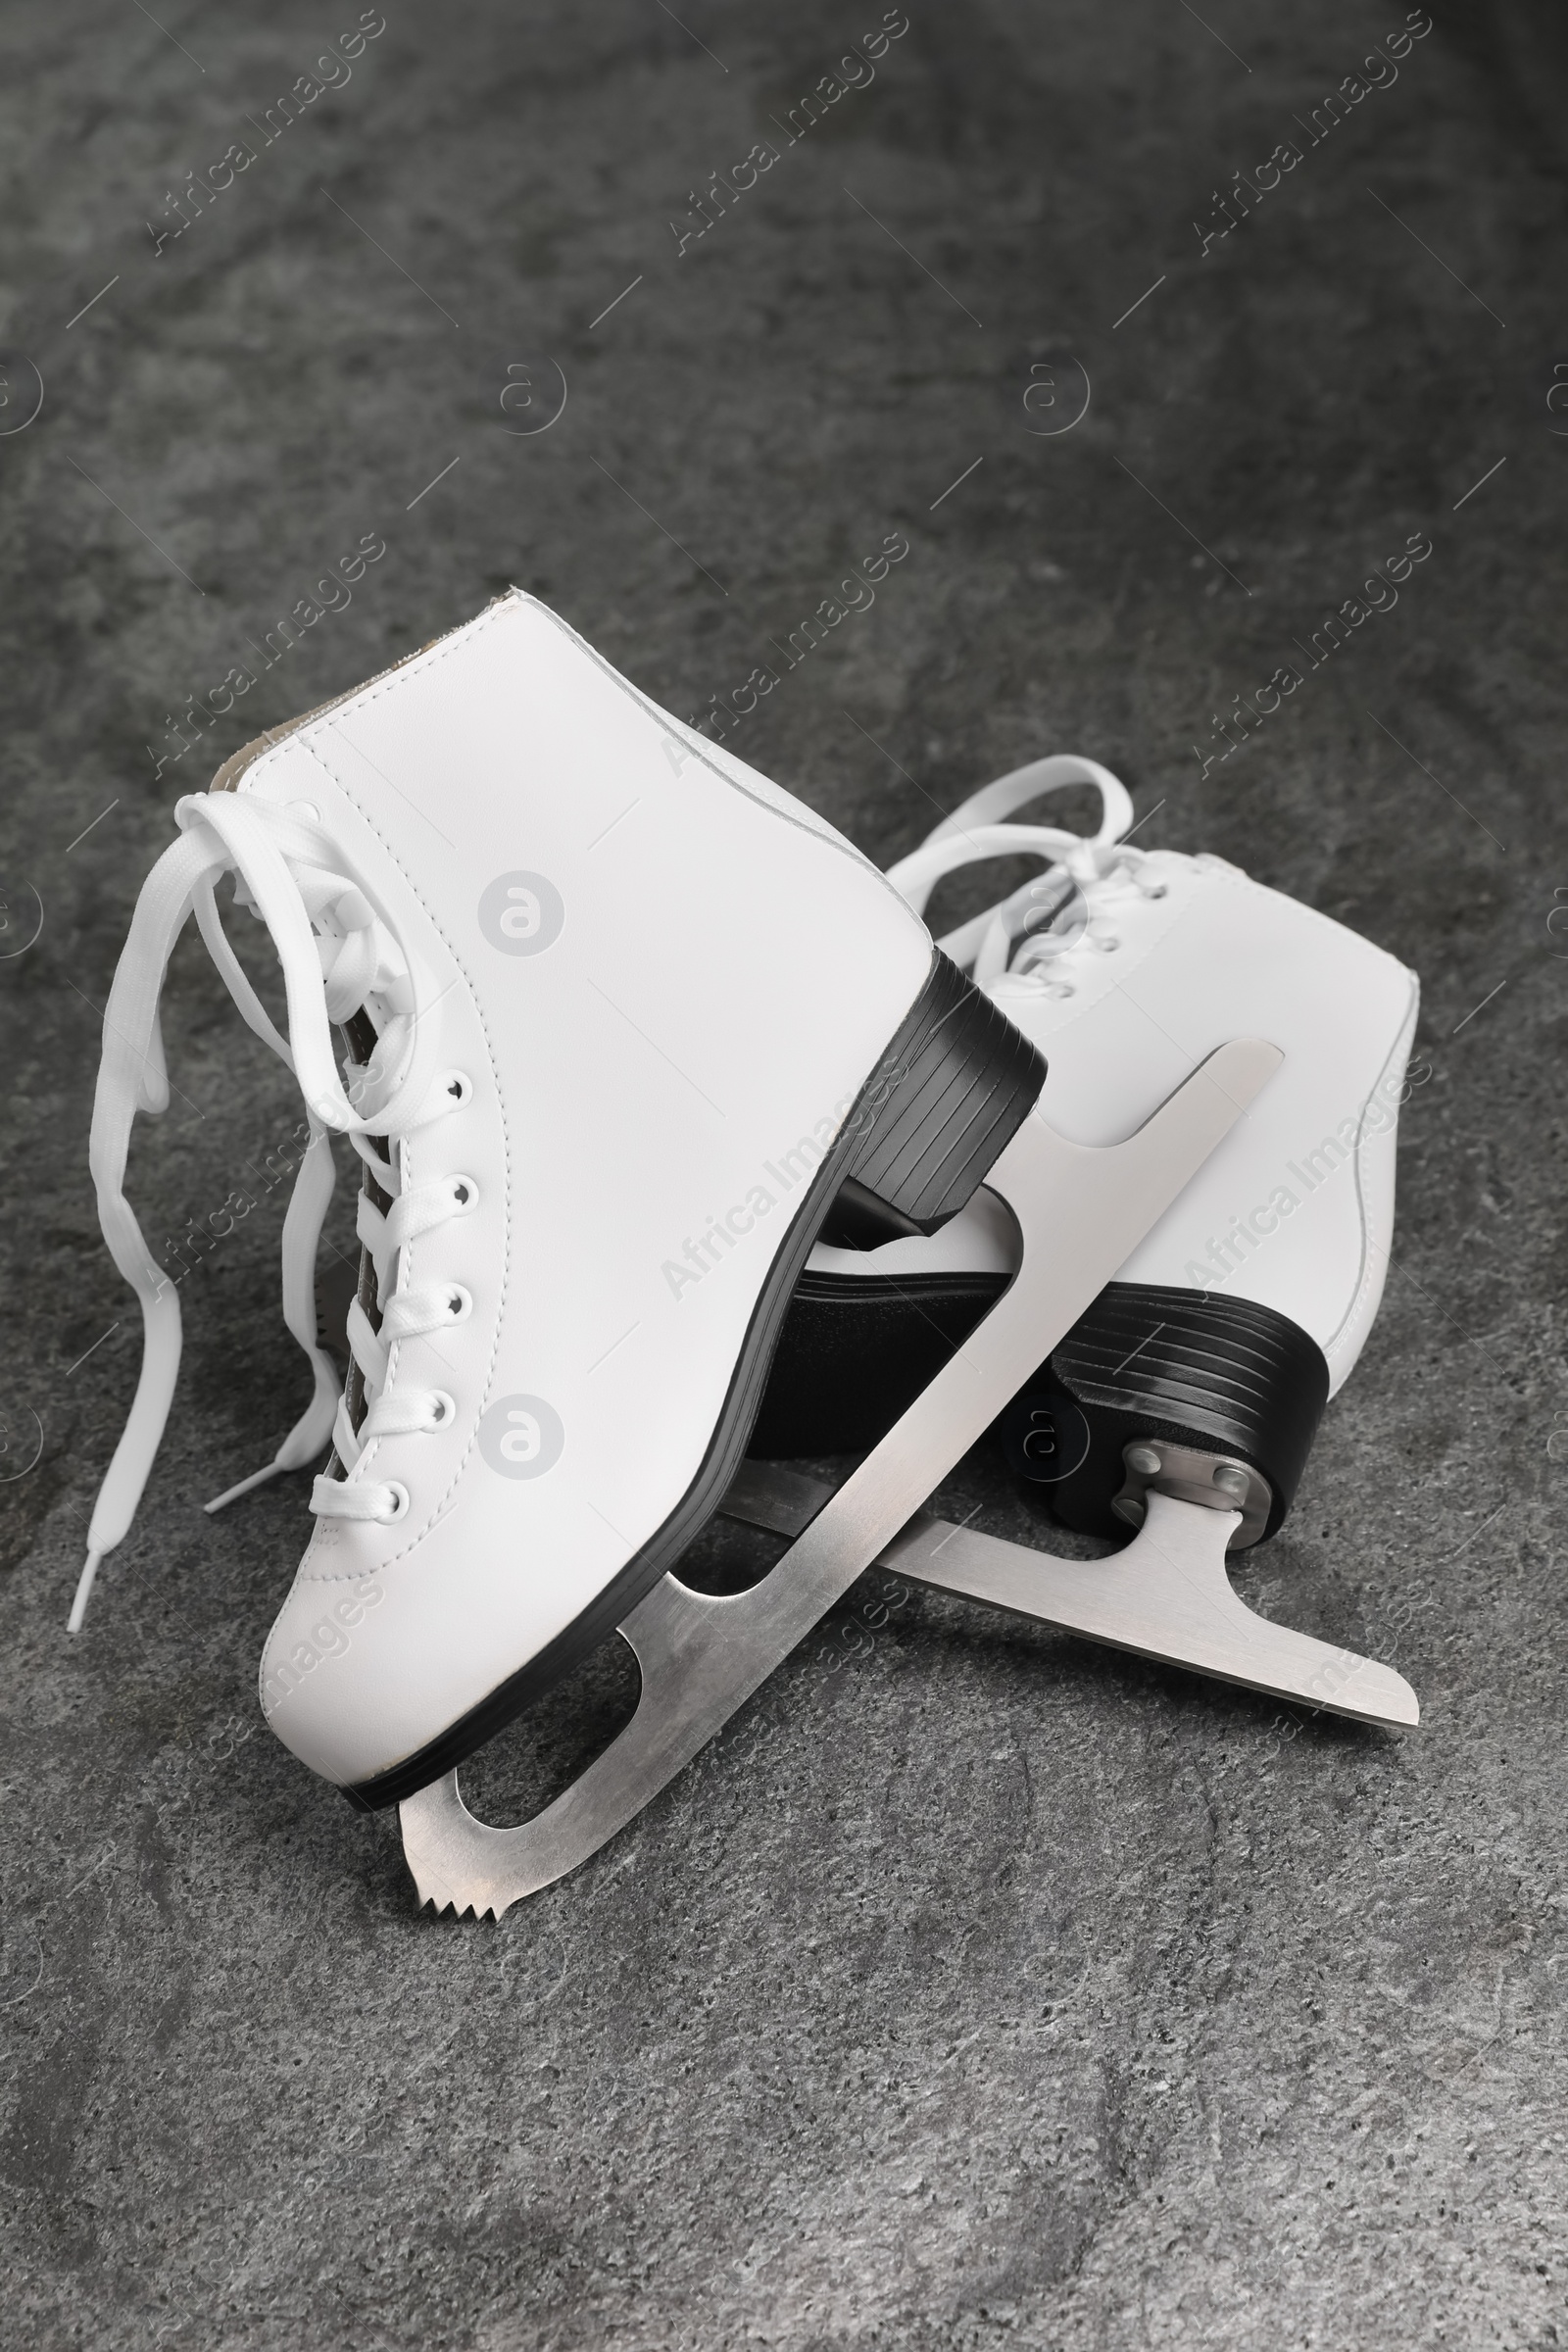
{"x":978,"y":1987}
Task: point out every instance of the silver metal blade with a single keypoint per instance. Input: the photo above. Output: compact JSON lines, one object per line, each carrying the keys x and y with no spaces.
{"x":1166,"y":1596}
{"x":1080,"y":1212}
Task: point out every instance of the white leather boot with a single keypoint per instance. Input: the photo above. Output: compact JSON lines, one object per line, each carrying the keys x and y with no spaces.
{"x":635,"y":1015}
{"x":1245,"y":1306}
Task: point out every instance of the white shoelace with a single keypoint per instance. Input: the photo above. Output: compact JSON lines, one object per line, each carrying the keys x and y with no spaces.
{"x":1034,"y":926}
{"x":292,"y":875}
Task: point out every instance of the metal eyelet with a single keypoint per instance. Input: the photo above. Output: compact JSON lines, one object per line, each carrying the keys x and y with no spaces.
{"x":465,"y":1193}
{"x":457,"y":1085}
{"x":460,"y":1302}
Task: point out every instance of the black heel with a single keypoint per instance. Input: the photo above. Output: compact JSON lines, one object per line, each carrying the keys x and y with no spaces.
{"x":950,"y":1092}
{"x":1149,"y":1366}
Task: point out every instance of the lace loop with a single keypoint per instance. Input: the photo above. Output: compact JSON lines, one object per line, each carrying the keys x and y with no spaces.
{"x":978,"y":829}
{"x":1022,"y":785}
{"x":426,"y":1205}
{"x":330,"y":1495}
{"x":424,"y":1306}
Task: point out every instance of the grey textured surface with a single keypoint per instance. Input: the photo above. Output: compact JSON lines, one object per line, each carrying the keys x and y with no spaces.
{"x":977,"y":1988}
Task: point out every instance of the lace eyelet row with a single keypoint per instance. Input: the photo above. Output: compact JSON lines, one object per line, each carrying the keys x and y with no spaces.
{"x":389,"y":1499}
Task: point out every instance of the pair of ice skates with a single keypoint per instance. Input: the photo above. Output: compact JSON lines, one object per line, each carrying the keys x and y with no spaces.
{"x":680,"y":1136}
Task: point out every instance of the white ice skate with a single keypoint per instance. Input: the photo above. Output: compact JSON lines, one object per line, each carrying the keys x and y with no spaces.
{"x":632,"y":1018}
{"x":1185,"y":1402}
